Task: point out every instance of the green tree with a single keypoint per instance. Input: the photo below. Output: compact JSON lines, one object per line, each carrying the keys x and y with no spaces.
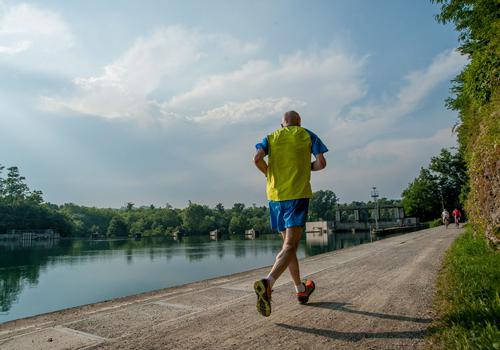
{"x":238,"y":224}
{"x":420,"y":198}
{"x":238,"y":208}
{"x":2,"y":185}
{"x":322,"y":205}
{"x":15,"y":188}
{"x":193,"y":218}
{"x":117,"y":227}
{"x":138,"y":227}
{"x":35,"y":197}
{"x":451,"y":176}
{"x":208,"y":224}
{"x":95,"y":230}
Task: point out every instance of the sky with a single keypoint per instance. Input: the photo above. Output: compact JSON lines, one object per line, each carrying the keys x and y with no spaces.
{"x":155,"y":102}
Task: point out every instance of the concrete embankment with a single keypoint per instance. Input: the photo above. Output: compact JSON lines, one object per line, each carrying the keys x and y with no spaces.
{"x":375,"y":296}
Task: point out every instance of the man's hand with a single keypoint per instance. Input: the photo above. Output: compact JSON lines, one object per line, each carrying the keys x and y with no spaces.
{"x":259,"y":161}
{"x":319,"y":163}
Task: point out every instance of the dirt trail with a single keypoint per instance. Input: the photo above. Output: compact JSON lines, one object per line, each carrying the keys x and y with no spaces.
{"x":373,"y":296}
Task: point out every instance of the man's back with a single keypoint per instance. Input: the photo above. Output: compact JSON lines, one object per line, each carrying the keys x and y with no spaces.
{"x":289,"y":168}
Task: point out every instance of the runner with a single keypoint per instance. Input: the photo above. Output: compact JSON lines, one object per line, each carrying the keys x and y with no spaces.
{"x":457,"y":215}
{"x":288,"y":188}
{"x":445,"y":216}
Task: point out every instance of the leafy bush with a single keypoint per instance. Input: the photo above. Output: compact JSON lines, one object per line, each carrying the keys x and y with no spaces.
{"x":435,"y":223}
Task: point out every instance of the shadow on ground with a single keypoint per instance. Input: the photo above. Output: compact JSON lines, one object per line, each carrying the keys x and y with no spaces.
{"x":344,"y":307}
{"x":356,"y":336}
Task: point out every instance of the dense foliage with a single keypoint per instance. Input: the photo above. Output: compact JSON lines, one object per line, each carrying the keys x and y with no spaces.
{"x":439,"y":186}
{"x":322,"y":205}
{"x":477,"y":101}
{"x":21,"y":208}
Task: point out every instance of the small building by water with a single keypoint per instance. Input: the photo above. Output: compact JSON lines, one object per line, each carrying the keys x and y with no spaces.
{"x":251,"y":234}
{"x":319,"y":227}
{"x":215,"y":235}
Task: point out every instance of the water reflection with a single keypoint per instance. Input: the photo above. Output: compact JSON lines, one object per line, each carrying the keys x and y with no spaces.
{"x":43,"y":276}
{"x":317,"y":243}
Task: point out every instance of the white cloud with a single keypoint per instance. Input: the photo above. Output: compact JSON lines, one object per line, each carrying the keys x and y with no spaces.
{"x":248,"y":111}
{"x":124,"y":88}
{"x":368,"y":120}
{"x":389,"y":164}
{"x":232,"y":45}
{"x":15,"y":48}
{"x":328,"y":78}
{"x":140,"y":70}
{"x":121,"y":90}
{"x":406,"y":149}
{"x":24,"y":26}
{"x":133,"y":85}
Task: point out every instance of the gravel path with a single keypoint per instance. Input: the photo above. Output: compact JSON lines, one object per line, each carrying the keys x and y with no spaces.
{"x":372,"y":296}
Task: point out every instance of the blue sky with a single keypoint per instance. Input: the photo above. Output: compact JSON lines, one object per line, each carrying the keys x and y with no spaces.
{"x":154,"y":102}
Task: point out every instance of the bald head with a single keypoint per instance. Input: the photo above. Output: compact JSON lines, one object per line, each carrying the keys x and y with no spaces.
{"x":290,"y":118}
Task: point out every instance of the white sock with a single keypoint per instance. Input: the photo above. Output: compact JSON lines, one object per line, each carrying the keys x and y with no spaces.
{"x":271,"y":280}
{"x":300,"y":288}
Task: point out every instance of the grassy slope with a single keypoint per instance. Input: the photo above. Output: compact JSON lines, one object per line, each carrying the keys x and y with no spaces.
{"x":468,"y":300}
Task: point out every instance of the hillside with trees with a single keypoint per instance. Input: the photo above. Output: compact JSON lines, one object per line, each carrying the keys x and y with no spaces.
{"x":477,"y":101}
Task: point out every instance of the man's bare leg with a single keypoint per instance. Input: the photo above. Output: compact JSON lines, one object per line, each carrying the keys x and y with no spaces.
{"x":287,"y":254}
{"x":293,"y":266}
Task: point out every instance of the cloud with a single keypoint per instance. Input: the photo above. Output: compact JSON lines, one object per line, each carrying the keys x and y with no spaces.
{"x":121,"y":90}
{"x":405,"y":149}
{"x":168,"y":75}
{"x":15,"y":48}
{"x":154,"y":62}
{"x":248,"y":111}
{"x":327,"y":78}
{"x":24,"y":26}
{"x":388,"y":163}
{"x":363,"y":122}
{"x":229,"y":44}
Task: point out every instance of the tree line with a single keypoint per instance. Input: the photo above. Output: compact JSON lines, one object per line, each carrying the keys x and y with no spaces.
{"x":22,"y":208}
{"x":442,"y":184}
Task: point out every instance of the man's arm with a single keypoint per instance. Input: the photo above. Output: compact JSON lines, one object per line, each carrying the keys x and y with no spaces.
{"x":319,"y":163}
{"x":259,"y":161}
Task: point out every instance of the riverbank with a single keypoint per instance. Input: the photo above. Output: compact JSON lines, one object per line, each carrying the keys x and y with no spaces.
{"x":467,"y":300}
{"x":376,"y":295}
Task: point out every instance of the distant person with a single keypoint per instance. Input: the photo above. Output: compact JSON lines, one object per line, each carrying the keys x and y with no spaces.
{"x":288,"y":173}
{"x":445,"y":216}
{"x":457,"y":216}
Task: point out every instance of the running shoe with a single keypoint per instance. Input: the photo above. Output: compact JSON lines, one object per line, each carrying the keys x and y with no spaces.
{"x":309,"y":287}
{"x":263,"y":290}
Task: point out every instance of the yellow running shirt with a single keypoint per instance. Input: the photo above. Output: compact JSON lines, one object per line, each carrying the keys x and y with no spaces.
{"x":289,"y":165}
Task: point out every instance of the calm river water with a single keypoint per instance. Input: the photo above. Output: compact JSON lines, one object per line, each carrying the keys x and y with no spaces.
{"x":38,"y":277}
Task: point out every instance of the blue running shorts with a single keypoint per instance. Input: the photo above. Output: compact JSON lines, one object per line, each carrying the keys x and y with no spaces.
{"x":289,"y":213}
